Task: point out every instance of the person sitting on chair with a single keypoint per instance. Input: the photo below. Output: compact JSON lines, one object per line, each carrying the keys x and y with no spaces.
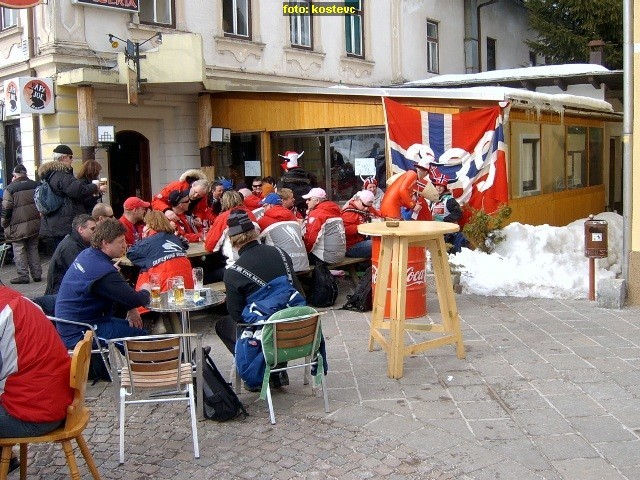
{"x":265,"y":262}
{"x":34,"y":371}
{"x":274,"y":212}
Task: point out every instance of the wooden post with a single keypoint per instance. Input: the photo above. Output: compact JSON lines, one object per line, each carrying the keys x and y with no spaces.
{"x":592,"y":278}
{"x":87,"y":121}
{"x":205,"y":116}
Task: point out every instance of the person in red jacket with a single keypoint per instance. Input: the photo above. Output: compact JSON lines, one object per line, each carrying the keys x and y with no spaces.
{"x":193,"y":180}
{"x":132,"y":218}
{"x":185,"y":225}
{"x":358,"y":211}
{"x":319,"y":210}
{"x":34,"y":370}
{"x":274,"y":212}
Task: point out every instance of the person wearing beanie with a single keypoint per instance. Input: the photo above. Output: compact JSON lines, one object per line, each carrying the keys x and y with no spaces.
{"x":21,"y":223}
{"x":185,"y":225}
{"x":274,"y":212}
{"x":263,"y":261}
{"x":196,"y":182}
{"x":132,"y":218}
{"x":358,"y":211}
{"x":59,"y":174}
{"x":296,"y":179}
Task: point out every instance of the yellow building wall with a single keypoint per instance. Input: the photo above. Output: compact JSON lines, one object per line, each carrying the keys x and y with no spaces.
{"x":633,"y":285}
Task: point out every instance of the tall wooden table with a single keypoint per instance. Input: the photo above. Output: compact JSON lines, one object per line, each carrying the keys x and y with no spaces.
{"x":395,"y":242}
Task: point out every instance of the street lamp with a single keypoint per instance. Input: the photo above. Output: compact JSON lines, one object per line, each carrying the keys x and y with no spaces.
{"x":132,"y":52}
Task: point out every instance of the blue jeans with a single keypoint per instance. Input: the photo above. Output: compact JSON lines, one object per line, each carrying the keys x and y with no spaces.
{"x":117,"y":328}
{"x":13,"y":427}
{"x":360,"y":250}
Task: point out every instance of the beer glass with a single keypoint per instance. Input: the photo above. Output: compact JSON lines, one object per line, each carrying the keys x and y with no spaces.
{"x":178,"y":289}
{"x":198,"y":276}
{"x":155,"y":280}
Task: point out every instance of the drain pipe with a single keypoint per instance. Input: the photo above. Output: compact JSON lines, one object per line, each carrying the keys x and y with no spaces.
{"x":35,"y":119}
{"x":627,"y":136}
{"x":490,"y":2}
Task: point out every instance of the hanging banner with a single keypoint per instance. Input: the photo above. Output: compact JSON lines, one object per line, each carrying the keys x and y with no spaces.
{"x":19,"y":3}
{"x":28,"y":95}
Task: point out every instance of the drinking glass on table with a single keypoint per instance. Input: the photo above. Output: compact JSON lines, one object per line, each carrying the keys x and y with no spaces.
{"x":170,"y":290}
{"x":155,"y":281}
{"x":178,"y":289}
{"x":198,"y":276}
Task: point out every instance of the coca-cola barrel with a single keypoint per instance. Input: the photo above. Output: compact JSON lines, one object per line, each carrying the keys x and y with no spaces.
{"x":416,"y":281}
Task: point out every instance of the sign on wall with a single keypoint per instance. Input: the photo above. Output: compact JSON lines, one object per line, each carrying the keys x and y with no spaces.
{"x":28,"y":95}
{"x":19,"y":3}
{"x":126,"y":5}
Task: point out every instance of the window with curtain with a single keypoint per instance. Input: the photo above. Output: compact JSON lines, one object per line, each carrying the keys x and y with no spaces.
{"x":301,"y":27}
{"x":433,"y":65}
{"x":236,"y":18}
{"x":9,"y":17}
{"x":354,"y":37}
{"x":157,"y":12}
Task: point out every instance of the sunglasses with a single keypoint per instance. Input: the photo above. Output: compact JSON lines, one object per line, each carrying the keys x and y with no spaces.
{"x":185,"y":201}
{"x":257,"y":186}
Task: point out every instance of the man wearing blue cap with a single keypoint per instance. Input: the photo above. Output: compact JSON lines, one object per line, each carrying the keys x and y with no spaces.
{"x":274,"y":212}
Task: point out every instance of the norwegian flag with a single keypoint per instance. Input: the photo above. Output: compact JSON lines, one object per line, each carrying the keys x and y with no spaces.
{"x":469,"y":149}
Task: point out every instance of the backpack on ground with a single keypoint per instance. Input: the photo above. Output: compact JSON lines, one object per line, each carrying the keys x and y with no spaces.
{"x":362,"y":298}
{"x":220,"y":401}
{"x":47,"y":201}
{"x":324,"y":288}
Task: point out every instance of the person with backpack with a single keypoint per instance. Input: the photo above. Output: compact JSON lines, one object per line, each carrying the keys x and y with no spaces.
{"x":21,"y":223}
{"x":265,"y":262}
{"x":58,"y":173}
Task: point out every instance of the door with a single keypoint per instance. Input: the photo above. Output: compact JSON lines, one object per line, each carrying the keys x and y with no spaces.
{"x":129,"y":169}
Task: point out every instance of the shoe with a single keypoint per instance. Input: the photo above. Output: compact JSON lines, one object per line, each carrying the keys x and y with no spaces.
{"x":14,"y":464}
{"x":279,"y":379}
{"x":37,"y":279}
{"x":19,"y":281}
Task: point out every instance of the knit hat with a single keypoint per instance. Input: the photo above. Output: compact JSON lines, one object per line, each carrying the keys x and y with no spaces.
{"x":370,"y":181}
{"x":63,"y":149}
{"x":177,"y":196}
{"x":239,"y":222}
{"x":292,"y":159}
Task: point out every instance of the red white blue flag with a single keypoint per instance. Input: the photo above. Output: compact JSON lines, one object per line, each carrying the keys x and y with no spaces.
{"x":469,"y":149}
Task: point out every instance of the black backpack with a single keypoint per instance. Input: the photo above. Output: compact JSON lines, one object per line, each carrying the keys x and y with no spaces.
{"x":362,"y":298}
{"x":324,"y":288}
{"x":220,"y":401}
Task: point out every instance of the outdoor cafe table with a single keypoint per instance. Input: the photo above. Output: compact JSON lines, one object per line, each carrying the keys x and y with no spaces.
{"x":209,"y":298}
{"x":392,"y":266}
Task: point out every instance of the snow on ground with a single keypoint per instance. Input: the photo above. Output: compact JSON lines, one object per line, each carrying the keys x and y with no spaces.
{"x":540,"y":261}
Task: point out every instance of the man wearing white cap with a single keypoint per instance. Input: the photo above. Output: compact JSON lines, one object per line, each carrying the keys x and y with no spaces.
{"x":358,"y":211}
{"x":319,"y":211}
{"x":296,"y":179}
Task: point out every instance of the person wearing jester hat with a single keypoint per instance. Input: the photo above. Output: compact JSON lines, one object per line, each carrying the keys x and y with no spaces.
{"x":296,"y":179}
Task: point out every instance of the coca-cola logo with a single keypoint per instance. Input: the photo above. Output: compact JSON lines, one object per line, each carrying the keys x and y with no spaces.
{"x":414,"y":277}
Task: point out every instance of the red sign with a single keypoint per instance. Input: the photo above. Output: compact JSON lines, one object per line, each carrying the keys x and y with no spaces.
{"x":19,"y":3}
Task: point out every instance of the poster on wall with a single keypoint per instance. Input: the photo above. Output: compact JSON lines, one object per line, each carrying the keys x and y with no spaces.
{"x":28,"y":95}
{"x":252,"y":168}
{"x":365,"y":167}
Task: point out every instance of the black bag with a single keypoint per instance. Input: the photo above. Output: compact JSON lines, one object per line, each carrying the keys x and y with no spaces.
{"x":220,"y":401}
{"x":324,"y":288}
{"x":362,"y":298}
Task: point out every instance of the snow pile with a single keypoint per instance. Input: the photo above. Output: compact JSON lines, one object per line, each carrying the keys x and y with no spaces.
{"x":539,"y":261}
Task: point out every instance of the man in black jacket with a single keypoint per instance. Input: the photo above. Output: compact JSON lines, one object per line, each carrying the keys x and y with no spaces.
{"x":66,"y":252}
{"x":21,"y":223}
{"x":296,"y":179}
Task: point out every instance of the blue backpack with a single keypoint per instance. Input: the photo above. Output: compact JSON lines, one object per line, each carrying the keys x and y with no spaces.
{"x":47,"y":201}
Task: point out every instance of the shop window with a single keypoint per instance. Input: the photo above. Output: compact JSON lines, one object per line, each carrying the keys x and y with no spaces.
{"x":576,"y":160}
{"x":529,"y":165}
{"x":301,"y":27}
{"x":596,"y":155}
{"x":433,"y":65}
{"x":157,"y":12}
{"x":9,"y":17}
{"x":236,"y":18}
{"x":354,"y":24}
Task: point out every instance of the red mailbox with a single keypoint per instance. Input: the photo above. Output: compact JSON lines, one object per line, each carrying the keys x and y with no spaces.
{"x":596,"y":244}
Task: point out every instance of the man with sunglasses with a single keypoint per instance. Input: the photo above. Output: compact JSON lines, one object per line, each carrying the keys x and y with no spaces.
{"x":253,"y":200}
{"x":193,"y":180}
{"x":59,"y":175}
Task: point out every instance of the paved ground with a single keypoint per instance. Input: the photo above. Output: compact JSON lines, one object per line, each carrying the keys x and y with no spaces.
{"x":549,"y":389}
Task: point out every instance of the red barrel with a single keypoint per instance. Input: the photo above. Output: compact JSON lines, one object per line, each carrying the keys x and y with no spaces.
{"x":416,"y":281}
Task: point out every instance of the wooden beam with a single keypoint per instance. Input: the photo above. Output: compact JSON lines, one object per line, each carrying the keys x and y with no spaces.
{"x":593,"y":80}
{"x":87,"y":121}
{"x":560,"y":83}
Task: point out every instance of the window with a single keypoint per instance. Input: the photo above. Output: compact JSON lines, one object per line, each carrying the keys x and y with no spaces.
{"x":9,"y":17}
{"x":301,"y":27}
{"x":236,"y":15}
{"x":532,"y":59}
{"x":576,"y":164}
{"x":433,"y":66}
{"x":157,"y":12}
{"x":491,"y":54}
{"x":353,"y":29}
{"x":529,"y":164}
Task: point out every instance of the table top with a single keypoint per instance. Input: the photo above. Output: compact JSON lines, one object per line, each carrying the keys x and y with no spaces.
{"x":208,"y":298}
{"x":409,"y":229}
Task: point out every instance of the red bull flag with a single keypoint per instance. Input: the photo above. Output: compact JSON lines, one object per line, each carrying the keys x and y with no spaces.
{"x":469,"y":150}
{"x":19,"y":3}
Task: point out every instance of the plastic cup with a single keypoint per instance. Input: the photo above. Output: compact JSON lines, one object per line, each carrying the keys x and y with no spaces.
{"x":198,"y":277}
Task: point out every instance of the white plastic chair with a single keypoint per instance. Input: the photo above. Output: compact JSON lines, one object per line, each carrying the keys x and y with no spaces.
{"x":4,"y":248}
